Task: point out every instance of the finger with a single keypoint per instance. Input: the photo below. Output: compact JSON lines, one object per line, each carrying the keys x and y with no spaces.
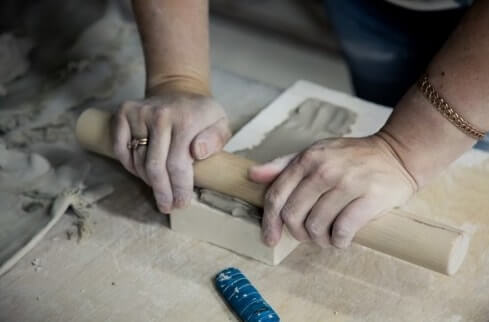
{"x":299,"y":204}
{"x":156,"y":166}
{"x":211,"y":140}
{"x":121,"y":136}
{"x":139,"y":160}
{"x":139,"y":130}
{"x":324,"y":212}
{"x":179,"y":166}
{"x":269,"y":171}
{"x":353,"y":217}
{"x":275,"y":198}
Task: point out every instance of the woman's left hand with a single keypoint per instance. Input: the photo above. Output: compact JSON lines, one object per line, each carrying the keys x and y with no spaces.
{"x":332,"y":189}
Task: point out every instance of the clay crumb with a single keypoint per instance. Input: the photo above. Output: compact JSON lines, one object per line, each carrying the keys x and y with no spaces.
{"x":36,"y":263}
{"x":69,"y":234}
{"x":82,"y":229}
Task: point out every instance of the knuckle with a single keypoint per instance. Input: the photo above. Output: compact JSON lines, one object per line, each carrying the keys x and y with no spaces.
{"x":288,"y":214}
{"x":287,"y":218}
{"x":324,"y":174}
{"x":161,"y":115}
{"x":145,"y":108}
{"x":185,"y":122}
{"x":154,"y":167}
{"x":313,"y":228}
{"x":176,"y":168}
{"x":127,"y":106}
{"x":226,"y":132}
{"x":185,"y":119}
{"x":342,"y":231}
{"x":119,"y":116}
{"x":307,"y":157}
{"x":328,"y":166}
{"x":345,"y":183}
{"x":146,"y":112}
{"x":272,"y":198}
{"x":163,"y":111}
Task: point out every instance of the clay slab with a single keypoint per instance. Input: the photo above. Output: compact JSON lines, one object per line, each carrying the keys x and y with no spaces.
{"x":307,"y":122}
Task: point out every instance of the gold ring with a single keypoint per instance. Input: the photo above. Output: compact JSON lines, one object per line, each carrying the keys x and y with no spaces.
{"x":135,"y":143}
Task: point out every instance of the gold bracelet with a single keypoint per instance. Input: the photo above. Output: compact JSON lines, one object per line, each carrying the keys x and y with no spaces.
{"x":446,"y":110}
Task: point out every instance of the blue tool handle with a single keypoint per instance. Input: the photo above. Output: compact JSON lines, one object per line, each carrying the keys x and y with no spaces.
{"x":243,"y":297}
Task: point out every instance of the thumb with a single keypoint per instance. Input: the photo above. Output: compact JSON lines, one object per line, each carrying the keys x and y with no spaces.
{"x":210,"y":140}
{"x":269,"y":171}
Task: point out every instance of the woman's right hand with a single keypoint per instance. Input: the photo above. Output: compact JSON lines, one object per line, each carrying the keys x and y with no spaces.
{"x":181,"y":127}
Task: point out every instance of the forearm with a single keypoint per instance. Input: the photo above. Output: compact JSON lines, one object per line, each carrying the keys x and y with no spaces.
{"x":175,"y":39}
{"x":425,"y":141}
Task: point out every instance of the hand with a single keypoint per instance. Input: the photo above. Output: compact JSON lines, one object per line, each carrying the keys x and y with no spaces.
{"x":180,"y":127}
{"x":332,"y":189}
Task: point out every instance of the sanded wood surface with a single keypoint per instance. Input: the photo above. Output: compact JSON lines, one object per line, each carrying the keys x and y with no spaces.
{"x":132,"y":267}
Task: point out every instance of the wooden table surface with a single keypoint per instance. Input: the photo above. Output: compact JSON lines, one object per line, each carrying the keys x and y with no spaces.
{"x":133,"y":268}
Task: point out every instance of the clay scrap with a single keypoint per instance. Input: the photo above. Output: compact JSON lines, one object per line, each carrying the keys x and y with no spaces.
{"x":235,"y":225}
{"x":35,"y":196}
{"x":312,"y":120}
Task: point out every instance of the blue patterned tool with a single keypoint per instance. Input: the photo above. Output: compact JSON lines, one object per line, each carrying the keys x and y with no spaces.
{"x":244,"y":297}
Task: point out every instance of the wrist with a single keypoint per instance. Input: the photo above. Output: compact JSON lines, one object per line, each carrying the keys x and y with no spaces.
{"x":387,"y":145}
{"x":160,"y":85}
{"x":404,"y":157}
{"x":422,"y":138}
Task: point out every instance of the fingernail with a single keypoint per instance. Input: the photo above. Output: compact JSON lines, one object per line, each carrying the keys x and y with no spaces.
{"x":342,"y":243}
{"x":162,"y":202}
{"x":202,"y":150}
{"x":269,"y":239}
{"x":181,"y":202}
{"x":164,"y":208}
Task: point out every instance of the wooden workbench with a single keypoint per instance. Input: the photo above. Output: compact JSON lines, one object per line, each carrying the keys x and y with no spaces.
{"x":133,"y":268}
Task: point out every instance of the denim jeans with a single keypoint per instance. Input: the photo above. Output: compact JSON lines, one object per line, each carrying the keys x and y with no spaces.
{"x":388,"y":47}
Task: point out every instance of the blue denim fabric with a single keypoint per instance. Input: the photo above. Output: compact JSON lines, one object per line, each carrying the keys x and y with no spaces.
{"x":388,"y":47}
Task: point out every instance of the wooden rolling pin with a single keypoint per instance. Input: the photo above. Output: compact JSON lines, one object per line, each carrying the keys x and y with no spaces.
{"x":416,"y":240}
